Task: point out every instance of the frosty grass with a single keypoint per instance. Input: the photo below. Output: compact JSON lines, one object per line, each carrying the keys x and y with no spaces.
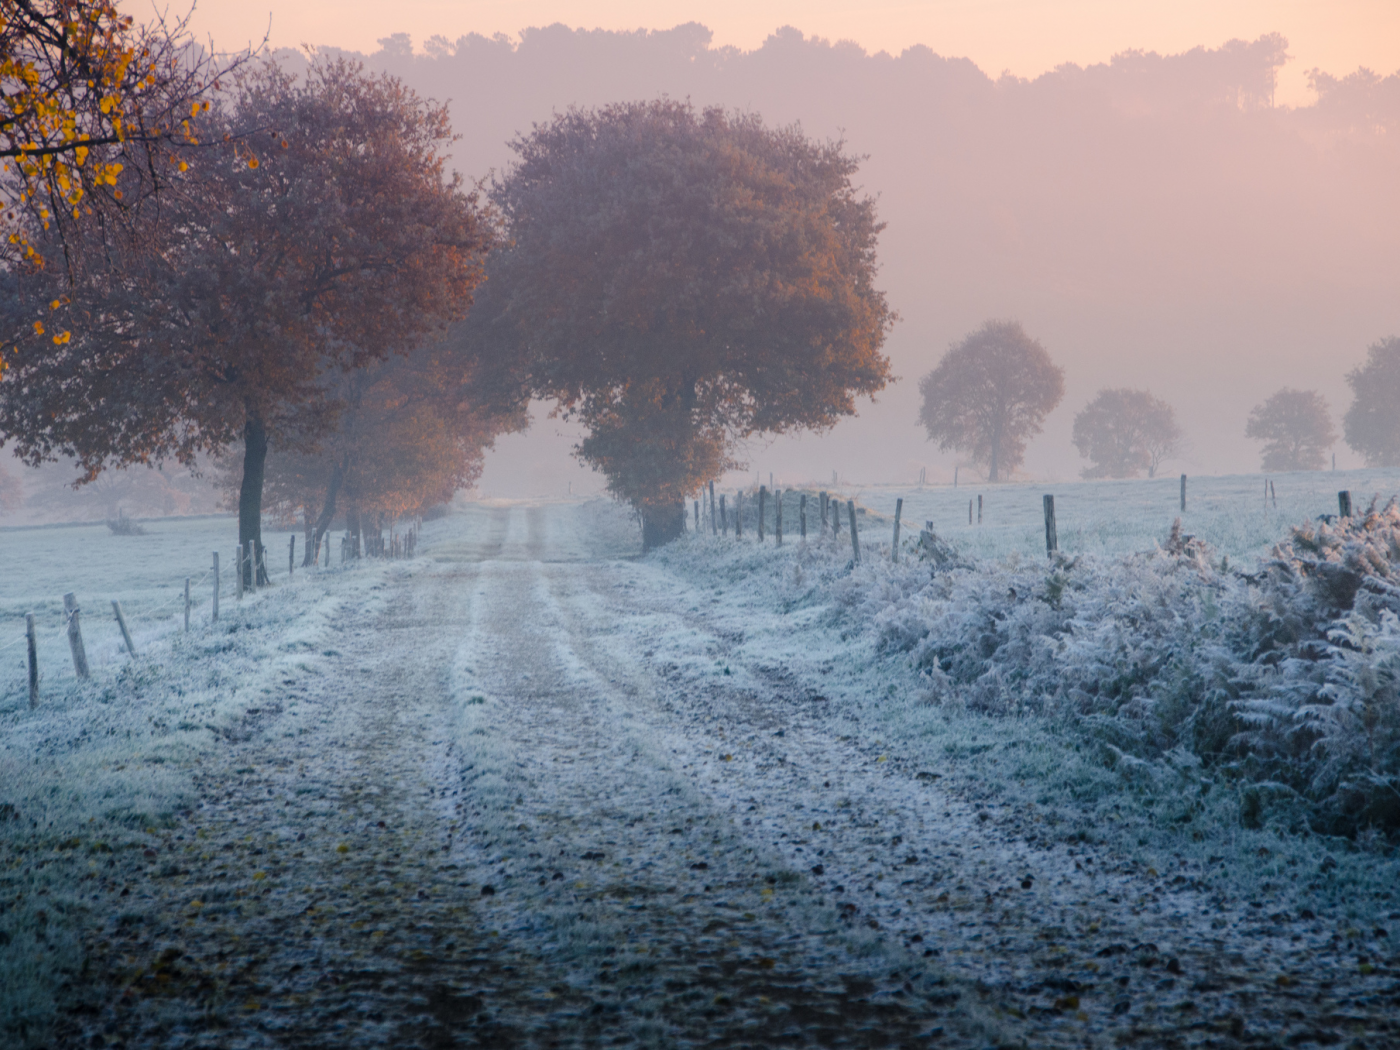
{"x":954,"y":665}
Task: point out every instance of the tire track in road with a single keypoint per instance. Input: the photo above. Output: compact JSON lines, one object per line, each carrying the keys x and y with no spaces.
{"x":680,"y":926}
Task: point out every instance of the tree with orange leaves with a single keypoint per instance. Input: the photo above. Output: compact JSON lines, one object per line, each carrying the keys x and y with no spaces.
{"x":409,"y":434}
{"x":328,"y":237}
{"x":680,"y":281}
{"x":96,"y":114}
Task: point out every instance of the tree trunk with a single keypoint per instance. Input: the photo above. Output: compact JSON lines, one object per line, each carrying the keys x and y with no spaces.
{"x":352,"y":522}
{"x":250,"y":493}
{"x":662,"y":523}
{"x":323,"y":523}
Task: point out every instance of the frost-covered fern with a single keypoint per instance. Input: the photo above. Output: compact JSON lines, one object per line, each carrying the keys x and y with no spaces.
{"x":1287,"y":677}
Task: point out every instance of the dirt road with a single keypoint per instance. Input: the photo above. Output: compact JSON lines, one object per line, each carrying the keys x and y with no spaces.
{"x":542,"y":794}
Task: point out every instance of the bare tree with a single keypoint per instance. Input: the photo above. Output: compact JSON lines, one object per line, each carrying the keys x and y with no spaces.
{"x":990,"y":394}
{"x":1296,"y":429}
{"x":1125,"y":432}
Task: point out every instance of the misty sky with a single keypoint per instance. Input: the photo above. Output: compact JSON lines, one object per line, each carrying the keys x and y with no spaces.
{"x":1149,"y":234}
{"x":1027,"y":37}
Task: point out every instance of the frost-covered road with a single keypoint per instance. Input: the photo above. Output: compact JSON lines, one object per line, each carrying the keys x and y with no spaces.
{"x":537,"y":795}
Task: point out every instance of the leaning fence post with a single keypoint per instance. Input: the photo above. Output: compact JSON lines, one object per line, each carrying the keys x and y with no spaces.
{"x":762,"y":504}
{"x":894,"y":548}
{"x":778,"y":517}
{"x":215,"y":618}
{"x":187,"y":605}
{"x":1052,"y":543}
{"x":1344,"y":504}
{"x":855,"y":537}
{"x":802,"y":514}
{"x":121,"y":622}
{"x":33,"y":640}
{"x":75,"y":635}
{"x":1183,"y":492}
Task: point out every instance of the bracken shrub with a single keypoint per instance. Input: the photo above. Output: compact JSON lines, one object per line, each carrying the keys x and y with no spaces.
{"x":1286,"y":679}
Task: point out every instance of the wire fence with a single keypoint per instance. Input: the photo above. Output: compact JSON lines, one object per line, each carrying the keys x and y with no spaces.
{"x":197,"y":600}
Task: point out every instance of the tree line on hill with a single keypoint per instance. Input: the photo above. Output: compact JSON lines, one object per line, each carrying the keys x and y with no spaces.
{"x":990,"y":394}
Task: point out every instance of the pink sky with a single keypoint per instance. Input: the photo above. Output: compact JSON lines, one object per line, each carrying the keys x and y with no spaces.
{"x":1026,"y":37}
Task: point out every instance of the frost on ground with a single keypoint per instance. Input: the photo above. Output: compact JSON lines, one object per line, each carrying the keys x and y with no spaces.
{"x":528,"y":790}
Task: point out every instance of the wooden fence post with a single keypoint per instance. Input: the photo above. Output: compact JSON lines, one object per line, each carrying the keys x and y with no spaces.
{"x":1344,"y":504}
{"x":894,"y":548}
{"x":778,"y":517}
{"x":1183,"y":493}
{"x":252,"y":561}
{"x":121,"y":622}
{"x":802,"y":514}
{"x":238,"y":573}
{"x":33,"y":640}
{"x":738,"y":515}
{"x":215,"y":570}
{"x":1052,"y":542}
{"x":969,"y":512}
{"x":714,"y":524}
{"x":187,"y":605}
{"x":855,"y":537}
{"x":75,"y":635}
{"x":723,"y":518}
{"x":762,"y":509}
{"x":697,"y":517}
{"x":292,"y":554}
{"x":835,"y":517}
{"x":979,"y":508}
{"x":821,"y":497}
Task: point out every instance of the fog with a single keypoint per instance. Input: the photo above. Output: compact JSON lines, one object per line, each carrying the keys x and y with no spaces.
{"x":1156,"y":221}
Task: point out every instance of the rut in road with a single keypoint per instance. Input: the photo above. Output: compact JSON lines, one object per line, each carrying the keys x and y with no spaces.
{"x":538,"y":795}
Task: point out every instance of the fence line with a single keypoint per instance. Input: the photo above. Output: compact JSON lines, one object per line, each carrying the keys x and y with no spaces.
{"x":831,"y":504}
{"x":404,"y":545}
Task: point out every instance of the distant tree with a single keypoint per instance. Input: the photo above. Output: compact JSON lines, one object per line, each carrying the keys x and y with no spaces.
{"x":1372,"y":423}
{"x":11,"y":492}
{"x":679,"y":281}
{"x":409,"y":435}
{"x":1296,"y":429}
{"x":332,"y":238}
{"x":1125,"y":432}
{"x":989,"y":395}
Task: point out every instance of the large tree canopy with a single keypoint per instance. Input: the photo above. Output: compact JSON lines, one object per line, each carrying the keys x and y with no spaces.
{"x":680,"y":281}
{"x":1372,"y":424}
{"x":1296,"y":429}
{"x":989,"y":395}
{"x":1124,"y":432}
{"x":331,"y":238}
